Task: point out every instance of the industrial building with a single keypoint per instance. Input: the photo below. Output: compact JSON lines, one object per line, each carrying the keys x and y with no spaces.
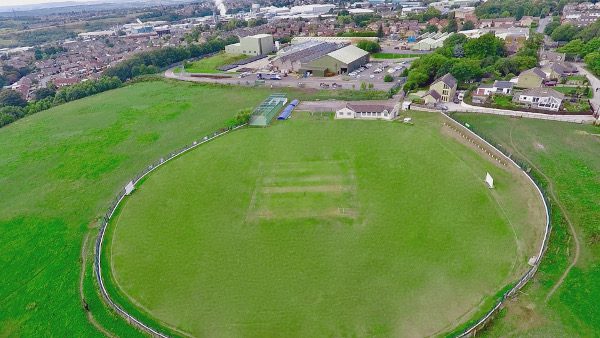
{"x":430,"y":41}
{"x":260,"y":44}
{"x":335,"y":39}
{"x":319,"y":58}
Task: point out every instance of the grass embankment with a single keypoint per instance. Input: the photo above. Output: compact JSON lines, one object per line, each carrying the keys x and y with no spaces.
{"x":289,"y":229}
{"x":210,"y":64}
{"x":568,"y":154}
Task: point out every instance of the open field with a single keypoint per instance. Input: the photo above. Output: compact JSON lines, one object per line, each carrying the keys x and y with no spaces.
{"x":210,"y":64}
{"x":566,"y":159}
{"x":59,"y":170}
{"x":315,"y":227}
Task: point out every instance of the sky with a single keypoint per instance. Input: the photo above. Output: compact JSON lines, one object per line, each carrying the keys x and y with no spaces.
{"x":30,"y":2}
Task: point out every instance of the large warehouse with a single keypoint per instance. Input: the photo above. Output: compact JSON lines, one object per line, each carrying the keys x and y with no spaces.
{"x":320,"y":58}
{"x":260,"y":44}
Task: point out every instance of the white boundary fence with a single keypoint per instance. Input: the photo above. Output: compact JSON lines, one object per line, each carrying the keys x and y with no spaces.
{"x":472,"y":330}
{"x":113,"y":207}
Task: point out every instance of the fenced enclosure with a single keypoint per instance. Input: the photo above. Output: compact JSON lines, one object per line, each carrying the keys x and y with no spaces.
{"x":129,"y":187}
{"x":481,"y":323}
{"x":266,"y":111}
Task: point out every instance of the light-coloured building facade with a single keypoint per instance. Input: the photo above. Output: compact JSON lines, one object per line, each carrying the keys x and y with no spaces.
{"x":368,"y":111}
{"x":260,"y":44}
{"x":542,"y":98}
{"x":445,"y":86}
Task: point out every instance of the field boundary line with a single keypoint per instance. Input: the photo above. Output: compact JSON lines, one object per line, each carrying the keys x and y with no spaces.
{"x":483,"y":321}
{"x":127,"y":189}
{"x":566,"y":216}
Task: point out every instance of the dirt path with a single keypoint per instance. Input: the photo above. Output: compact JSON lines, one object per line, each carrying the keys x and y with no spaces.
{"x":554,"y":196}
{"x":88,"y":313}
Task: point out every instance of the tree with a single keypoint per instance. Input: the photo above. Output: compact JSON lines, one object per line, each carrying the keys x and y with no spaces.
{"x":564,"y":32}
{"x":388,"y":78}
{"x":484,"y":46}
{"x":550,"y":27}
{"x":452,"y":26}
{"x":466,"y":70}
{"x":380,"y":31}
{"x":431,"y":28}
{"x":519,"y":13}
{"x":458,"y":51}
{"x":43,"y":93}
{"x":369,"y":46}
{"x":593,"y":62}
{"x":468,"y":26}
{"x":9,"y":97}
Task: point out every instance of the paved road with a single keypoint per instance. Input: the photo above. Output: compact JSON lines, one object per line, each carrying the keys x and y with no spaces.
{"x":463,"y":107}
{"x":543,"y":23}
{"x":595,"y":82}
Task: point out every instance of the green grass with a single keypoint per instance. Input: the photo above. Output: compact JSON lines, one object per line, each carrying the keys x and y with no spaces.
{"x":574,"y":91}
{"x":503,"y":101}
{"x":393,"y":56}
{"x":581,"y":106}
{"x":315,"y":227}
{"x":567,"y":154}
{"x":59,"y":170}
{"x":210,"y":64}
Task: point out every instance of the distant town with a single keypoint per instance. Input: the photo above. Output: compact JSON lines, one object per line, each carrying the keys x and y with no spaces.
{"x":399,"y":26}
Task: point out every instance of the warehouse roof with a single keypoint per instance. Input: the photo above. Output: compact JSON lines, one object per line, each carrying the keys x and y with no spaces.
{"x":348,"y":54}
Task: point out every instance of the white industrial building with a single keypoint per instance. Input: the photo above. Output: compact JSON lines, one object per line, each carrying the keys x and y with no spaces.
{"x":260,"y":44}
{"x":334,"y":39}
{"x":430,"y":41}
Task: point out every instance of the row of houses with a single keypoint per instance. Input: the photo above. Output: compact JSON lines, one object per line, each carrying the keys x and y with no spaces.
{"x":581,"y":14}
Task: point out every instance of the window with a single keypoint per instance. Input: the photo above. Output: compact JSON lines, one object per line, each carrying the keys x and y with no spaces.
{"x":536,"y":99}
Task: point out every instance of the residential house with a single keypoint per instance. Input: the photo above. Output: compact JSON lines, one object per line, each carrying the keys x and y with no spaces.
{"x":498,"y":87}
{"x":531,"y":78}
{"x":548,"y":56}
{"x":541,"y":98}
{"x":432,"y":97}
{"x":527,"y":21}
{"x":367,"y":111}
{"x":514,"y":42}
{"x":559,"y":70}
{"x":464,"y":14}
{"x":444,"y":87}
{"x":581,"y":14}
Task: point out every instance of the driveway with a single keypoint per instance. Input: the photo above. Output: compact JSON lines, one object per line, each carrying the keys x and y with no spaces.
{"x":543,"y":23}
{"x":595,"y":82}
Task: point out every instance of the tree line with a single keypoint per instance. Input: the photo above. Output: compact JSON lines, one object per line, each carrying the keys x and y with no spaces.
{"x":152,"y":61}
{"x":518,"y":8}
{"x":14,"y":107}
{"x":470,"y":60}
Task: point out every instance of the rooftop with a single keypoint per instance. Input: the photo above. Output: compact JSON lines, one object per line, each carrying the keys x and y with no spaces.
{"x":348,"y":54}
{"x":543,"y":92}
